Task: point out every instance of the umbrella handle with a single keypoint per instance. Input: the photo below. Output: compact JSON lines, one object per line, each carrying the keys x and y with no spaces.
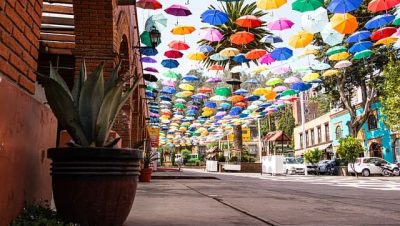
{"x":187,"y":2}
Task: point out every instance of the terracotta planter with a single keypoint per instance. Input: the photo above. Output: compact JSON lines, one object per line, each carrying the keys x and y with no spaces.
{"x":94,"y":186}
{"x":145,"y":175}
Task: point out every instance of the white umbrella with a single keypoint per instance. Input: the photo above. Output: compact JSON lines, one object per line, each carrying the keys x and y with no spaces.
{"x":218,"y":98}
{"x":330,"y":36}
{"x":315,"y":21}
{"x":343,"y":64}
{"x":237,"y":69}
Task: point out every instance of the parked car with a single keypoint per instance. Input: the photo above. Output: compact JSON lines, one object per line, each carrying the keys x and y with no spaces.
{"x":326,"y":166}
{"x":370,"y":165}
{"x":293,"y":165}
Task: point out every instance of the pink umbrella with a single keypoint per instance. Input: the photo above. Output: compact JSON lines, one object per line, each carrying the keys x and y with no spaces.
{"x":169,"y":83}
{"x":280,"y":24}
{"x":280,"y":89}
{"x":282,"y":70}
{"x":292,"y":79}
{"x":266,"y":59}
{"x":214,"y":80}
{"x":212,"y":35}
{"x":150,"y":69}
{"x":178,"y":10}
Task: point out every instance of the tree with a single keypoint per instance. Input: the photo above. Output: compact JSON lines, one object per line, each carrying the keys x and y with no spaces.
{"x":391,"y":95}
{"x":363,"y":74}
{"x":234,"y":11}
{"x":286,"y":122}
{"x":349,"y":150}
{"x":185,"y":154}
{"x":313,"y":156}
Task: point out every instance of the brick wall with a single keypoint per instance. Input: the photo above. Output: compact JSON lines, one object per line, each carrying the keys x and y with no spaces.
{"x":19,"y":33}
{"x":250,"y":167}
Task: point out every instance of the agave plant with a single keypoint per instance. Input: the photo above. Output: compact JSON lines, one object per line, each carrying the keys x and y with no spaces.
{"x":89,"y":111}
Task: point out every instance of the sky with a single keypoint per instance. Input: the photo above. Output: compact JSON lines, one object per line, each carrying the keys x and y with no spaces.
{"x":197,"y":7}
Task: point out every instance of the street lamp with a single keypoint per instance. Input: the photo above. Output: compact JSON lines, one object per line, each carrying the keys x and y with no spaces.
{"x":155,"y":39}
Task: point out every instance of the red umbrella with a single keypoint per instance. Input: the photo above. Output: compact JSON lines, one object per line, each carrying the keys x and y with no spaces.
{"x":383,"y":33}
{"x":248,"y":21}
{"x":382,"y":5}
{"x":216,"y":67}
{"x":173,"y":54}
{"x":255,"y":54}
{"x":178,"y":45}
{"x":240,"y":104}
{"x":204,"y":90}
{"x":242,"y":38}
{"x":148,"y":4}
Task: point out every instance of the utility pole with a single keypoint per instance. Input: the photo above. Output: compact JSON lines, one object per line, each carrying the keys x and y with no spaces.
{"x":303,"y":126}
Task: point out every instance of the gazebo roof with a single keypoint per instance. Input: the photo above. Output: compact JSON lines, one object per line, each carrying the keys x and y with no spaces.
{"x":276,"y":136}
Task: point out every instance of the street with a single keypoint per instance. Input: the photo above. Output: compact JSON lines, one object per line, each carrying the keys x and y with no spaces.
{"x":254,"y":199}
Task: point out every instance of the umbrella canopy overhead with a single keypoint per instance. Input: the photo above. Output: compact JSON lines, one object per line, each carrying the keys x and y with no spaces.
{"x":281,"y":53}
{"x":382,"y":5}
{"x":343,"y":6}
{"x":170,"y":63}
{"x":301,"y":39}
{"x":379,"y":21}
{"x":331,"y":36}
{"x":280,"y":24}
{"x":255,"y":54}
{"x":248,"y":21}
{"x":149,"y":4}
{"x":214,"y":17}
{"x":242,"y":38}
{"x":178,"y":45}
{"x":315,"y":21}
{"x":197,"y":56}
{"x":307,"y":5}
{"x":159,"y":21}
{"x":178,"y":10}
{"x":267,"y":59}
{"x":182,"y":30}
{"x":344,"y":23}
{"x":270,"y":4}
{"x":212,"y":35}
{"x":229,"y":52}
{"x":173,"y":54}
{"x":358,"y":36}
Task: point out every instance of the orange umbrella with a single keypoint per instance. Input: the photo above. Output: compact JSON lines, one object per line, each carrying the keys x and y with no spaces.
{"x":255,"y":54}
{"x":178,"y":45}
{"x":236,"y":98}
{"x":242,"y":38}
{"x":240,"y":104}
{"x":270,"y":95}
{"x":386,"y":41}
{"x":248,"y":21}
{"x":204,"y":90}
{"x":216,"y":67}
{"x":344,"y":23}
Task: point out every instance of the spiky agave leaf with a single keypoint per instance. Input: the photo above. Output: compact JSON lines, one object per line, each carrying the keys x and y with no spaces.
{"x":78,"y":84}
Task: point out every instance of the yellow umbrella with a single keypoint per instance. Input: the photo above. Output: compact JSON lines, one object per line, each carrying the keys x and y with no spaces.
{"x":260,"y":69}
{"x":229,"y":52}
{"x":186,"y":93}
{"x":260,"y":91}
{"x":301,"y":39}
{"x":207,"y":113}
{"x":186,"y":87}
{"x":310,"y":52}
{"x":344,"y":23}
{"x":207,"y":109}
{"x":197,"y":56}
{"x":339,"y":56}
{"x":182,"y":30}
{"x":310,"y":77}
{"x":270,"y":4}
{"x":329,"y":73}
{"x":386,"y":41}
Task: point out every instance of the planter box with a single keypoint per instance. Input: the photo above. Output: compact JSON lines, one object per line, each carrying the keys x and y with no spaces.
{"x":250,"y":167}
{"x":211,"y":166}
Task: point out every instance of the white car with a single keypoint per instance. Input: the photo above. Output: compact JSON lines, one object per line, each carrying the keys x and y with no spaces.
{"x":293,"y":165}
{"x":368,"y":166}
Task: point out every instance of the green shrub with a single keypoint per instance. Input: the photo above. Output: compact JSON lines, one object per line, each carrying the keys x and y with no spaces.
{"x":349,"y":149}
{"x":173,"y":158}
{"x":185,"y":153}
{"x":313,"y":156}
{"x":234,"y":159}
{"x":221,"y":158}
{"x":38,"y":216}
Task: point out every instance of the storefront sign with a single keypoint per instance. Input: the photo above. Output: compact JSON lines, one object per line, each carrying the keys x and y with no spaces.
{"x":154,"y":134}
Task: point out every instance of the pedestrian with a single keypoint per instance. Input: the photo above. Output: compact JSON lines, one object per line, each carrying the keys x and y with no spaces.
{"x":179,"y":162}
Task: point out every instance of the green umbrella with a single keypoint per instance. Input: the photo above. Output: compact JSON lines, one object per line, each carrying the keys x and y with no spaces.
{"x":273,"y":81}
{"x":288,"y":92}
{"x":335,"y":50}
{"x":223,"y":91}
{"x":179,"y":106}
{"x":146,"y":39}
{"x":307,"y":5}
{"x":396,"y":21}
{"x":158,"y":21}
{"x":171,"y":74}
{"x":362,"y":54}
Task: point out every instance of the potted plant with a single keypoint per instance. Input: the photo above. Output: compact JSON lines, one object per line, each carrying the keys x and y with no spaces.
{"x":93,"y":182}
{"x":146,"y":171}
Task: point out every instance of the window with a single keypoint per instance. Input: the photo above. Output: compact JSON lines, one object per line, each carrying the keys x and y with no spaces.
{"x":307,"y":144}
{"x":312,"y":137}
{"x":327,"y":138}
{"x":338,"y":132}
{"x":372,"y":121}
{"x":301,"y":140}
{"x":319,"y":134}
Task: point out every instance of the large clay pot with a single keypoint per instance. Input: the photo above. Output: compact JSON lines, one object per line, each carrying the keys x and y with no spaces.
{"x":94,"y":186}
{"x":145,"y":175}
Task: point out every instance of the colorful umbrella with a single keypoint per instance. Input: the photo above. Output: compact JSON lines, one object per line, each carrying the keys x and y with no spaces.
{"x":335,"y":50}
{"x":148,"y":60}
{"x":182,"y":30}
{"x":292,"y":79}
{"x":331,"y":36}
{"x":255,"y":54}
{"x":386,"y":41}
{"x":229,"y":52}
{"x":216,"y":67}
{"x":218,"y":98}
{"x":248,"y":21}
{"x":382,"y":5}
{"x":280,"y":89}
{"x":204,"y":90}
{"x":379,"y":21}
{"x":218,"y":57}
{"x":330,"y":73}
{"x":149,"y":4}
{"x":178,"y":45}
{"x":344,"y":23}
{"x":289,"y":92}
{"x":300,"y":86}
{"x":343,"y":6}
{"x":310,"y":77}
{"x":168,"y":90}
{"x":150,"y":69}
{"x":282,"y":70}
{"x":146,"y":39}
{"x":270,"y":4}
{"x":273,"y":81}
{"x":171,"y":74}
{"x":214,"y":17}
{"x":280,"y":24}
{"x":242,"y":38}
{"x":178,"y":10}
{"x":272,"y":39}
{"x":212,"y":35}
{"x":186,"y":87}
{"x":206,"y":48}
{"x":358,"y":36}
{"x":281,"y":53}
{"x":175,"y":54}
{"x":383,"y":33}
{"x":363,"y":54}
{"x":339,"y":56}
{"x":342,"y":64}
{"x":199,"y":96}
{"x":197,"y":56}
{"x":240,"y":58}
{"x":266,"y":59}
{"x":214,"y":80}
{"x":236,"y":98}
{"x":306,"y":5}
{"x":240,"y":92}
{"x":148,"y":51}
{"x":190,"y":78}
{"x":159,"y":21}
{"x":315,"y":21}
{"x":170,"y":63}
{"x":168,"y":82}
{"x":301,"y":39}
{"x":223,"y":91}
{"x":360,"y":46}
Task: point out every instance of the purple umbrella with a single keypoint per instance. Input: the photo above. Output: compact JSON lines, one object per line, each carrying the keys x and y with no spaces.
{"x":282,"y":70}
{"x":292,"y":79}
{"x":151,"y":69}
{"x":148,"y":60}
{"x":279,"y":89}
{"x":266,"y":59}
{"x":199,"y":96}
{"x":212,"y":35}
{"x":214,"y":80}
{"x":178,"y":10}
{"x":280,"y":24}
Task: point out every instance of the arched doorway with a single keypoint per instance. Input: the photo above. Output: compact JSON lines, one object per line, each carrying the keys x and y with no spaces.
{"x":375,"y":150}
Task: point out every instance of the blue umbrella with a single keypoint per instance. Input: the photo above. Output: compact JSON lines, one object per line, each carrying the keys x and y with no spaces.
{"x":272,"y":39}
{"x":235,"y":111}
{"x":379,"y":21}
{"x":210,"y":104}
{"x":360,"y":46}
{"x":240,"y":58}
{"x":190,"y":78}
{"x":240,"y":92}
{"x":358,"y":36}
{"x":148,"y":51}
{"x":282,"y":53}
{"x":252,"y":81}
{"x":149,"y":94}
{"x":343,"y":6}
{"x":153,"y":111}
{"x":153,"y":103}
{"x":214,"y":17}
{"x":320,"y":66}
{"x":193,"y":107}
{"x":168,"y":90}
{"x":206,"y":48}
{"x":265,"y":105}
{"x":166,"y":98}
{"x":243,"y":115}
{"x":169,"y":63}
{"x":300,"y":86}
{"x":252,"y":98}
{"x":225,"y":105}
